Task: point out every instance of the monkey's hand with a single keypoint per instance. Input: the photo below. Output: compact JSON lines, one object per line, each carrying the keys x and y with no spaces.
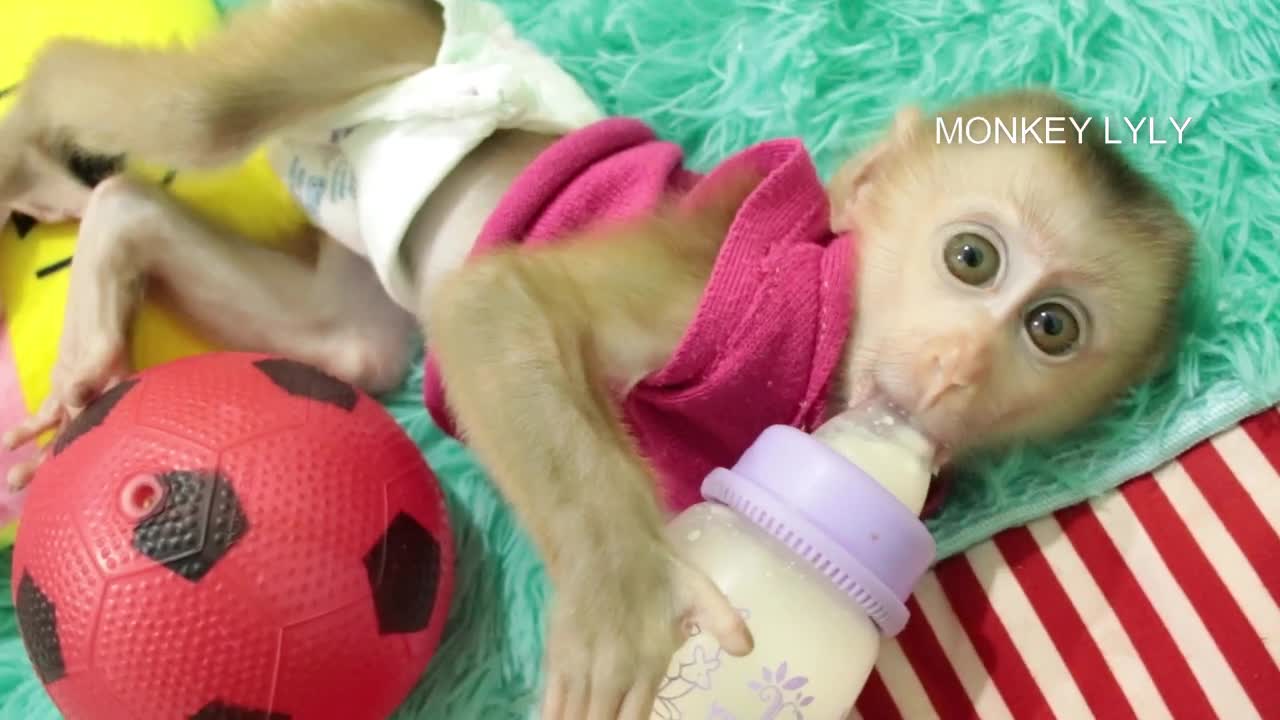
{"x":614,"y":627}
{"x":74,"y":386}
{"x":90,"y":362}
{"x":92,"y":355}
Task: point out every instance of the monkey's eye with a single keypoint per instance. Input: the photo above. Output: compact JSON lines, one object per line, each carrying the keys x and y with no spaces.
{"x":971,"y":258}
{"x":1053,"y":328}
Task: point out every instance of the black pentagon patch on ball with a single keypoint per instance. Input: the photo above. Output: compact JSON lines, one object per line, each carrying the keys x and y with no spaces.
{"x":306,"y":381}
{"x":92,"y":416}
{"x":195,"y":524}
{"x":404,"y":569}
{"x":38,"y":624}
{"x":218,"y":710}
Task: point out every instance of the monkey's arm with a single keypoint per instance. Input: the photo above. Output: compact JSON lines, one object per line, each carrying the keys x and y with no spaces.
{"x":529,"y":345}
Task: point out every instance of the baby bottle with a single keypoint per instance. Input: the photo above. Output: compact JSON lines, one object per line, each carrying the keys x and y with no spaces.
{"x":815,"y":540}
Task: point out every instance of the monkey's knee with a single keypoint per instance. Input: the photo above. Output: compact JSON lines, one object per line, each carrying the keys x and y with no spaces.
{"x":119,"y":205}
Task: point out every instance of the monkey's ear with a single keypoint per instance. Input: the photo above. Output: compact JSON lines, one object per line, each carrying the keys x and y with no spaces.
{"x":859,"y":171}
{"x":906,"y":124}
{"x":849,"y":182}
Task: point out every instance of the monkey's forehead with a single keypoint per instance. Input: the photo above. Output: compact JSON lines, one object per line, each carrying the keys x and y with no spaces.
{"x":1028,"y":184}
{"x":1035,"y":200}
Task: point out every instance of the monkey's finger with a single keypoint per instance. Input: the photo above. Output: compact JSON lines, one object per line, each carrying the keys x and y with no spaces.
{"x":638,"y":703}
{"x":603,"y":705}
{"x":100,"y":375}
{"x":553,"y":698}
{"x":40,"y":213}
{"x":45,"y":213}
{"x":577,"y":695}
{"x":713,"y":612}
{"x":83,"y":393}
{"x":19,"y":476}
{"x":46,"y":418}
{"x":80,"y":394}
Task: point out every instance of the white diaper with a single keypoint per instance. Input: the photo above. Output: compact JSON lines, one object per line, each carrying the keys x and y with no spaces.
{"x":363,"y":172}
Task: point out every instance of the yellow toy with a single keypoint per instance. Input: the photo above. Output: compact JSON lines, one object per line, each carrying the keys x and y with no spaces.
{"x":33,"y":274}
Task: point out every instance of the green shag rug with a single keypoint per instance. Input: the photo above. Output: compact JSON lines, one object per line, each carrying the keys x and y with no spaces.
{"x":717,"y":75}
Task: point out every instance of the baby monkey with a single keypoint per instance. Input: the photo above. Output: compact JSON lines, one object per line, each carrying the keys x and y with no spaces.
{"x":998,"y":291}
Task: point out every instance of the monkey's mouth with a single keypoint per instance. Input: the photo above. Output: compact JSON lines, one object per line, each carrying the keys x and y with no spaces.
{"x":874,"y":397}
{"x":877,"y":382}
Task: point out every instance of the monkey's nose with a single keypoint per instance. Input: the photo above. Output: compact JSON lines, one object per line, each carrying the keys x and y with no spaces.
{"x":965,"y":364}
{"x":954,"y":364}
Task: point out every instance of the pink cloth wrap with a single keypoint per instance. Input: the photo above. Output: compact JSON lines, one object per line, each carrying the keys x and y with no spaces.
{"x":768,"y":335}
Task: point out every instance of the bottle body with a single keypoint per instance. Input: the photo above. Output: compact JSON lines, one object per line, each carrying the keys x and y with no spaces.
{"x":818,"y":556}
{"x":814,"y":646}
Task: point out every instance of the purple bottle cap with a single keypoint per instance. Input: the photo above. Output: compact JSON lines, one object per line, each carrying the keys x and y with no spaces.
{"x":834,"y":515}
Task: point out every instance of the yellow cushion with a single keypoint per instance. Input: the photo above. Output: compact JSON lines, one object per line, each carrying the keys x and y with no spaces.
{"x":248,"y":198}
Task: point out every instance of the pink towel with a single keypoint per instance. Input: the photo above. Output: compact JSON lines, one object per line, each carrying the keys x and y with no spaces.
{"x":768,"y":335}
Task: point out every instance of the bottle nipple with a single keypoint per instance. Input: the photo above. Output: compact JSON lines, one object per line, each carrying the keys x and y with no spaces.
{"x":881,"y":440}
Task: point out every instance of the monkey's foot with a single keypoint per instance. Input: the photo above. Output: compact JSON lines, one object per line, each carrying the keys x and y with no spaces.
{"x":42,"y":213}
{"x":35,"y":184}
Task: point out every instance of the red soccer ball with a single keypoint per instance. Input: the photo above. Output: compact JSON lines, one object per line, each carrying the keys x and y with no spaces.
{"x":232,"y":536}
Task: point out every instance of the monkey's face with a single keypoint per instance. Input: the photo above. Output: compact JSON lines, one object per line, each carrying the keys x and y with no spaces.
{"x":996,"y":298}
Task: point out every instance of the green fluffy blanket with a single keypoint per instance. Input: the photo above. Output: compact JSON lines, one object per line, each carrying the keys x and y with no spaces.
{"x":716,"y":75}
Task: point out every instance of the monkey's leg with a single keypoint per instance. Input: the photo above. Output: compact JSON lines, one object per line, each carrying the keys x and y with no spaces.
{"x":332,"y":314}
{"x":205,"y":105}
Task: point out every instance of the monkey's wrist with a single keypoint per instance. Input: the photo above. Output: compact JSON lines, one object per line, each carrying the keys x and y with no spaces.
{"x":624,"y":556}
